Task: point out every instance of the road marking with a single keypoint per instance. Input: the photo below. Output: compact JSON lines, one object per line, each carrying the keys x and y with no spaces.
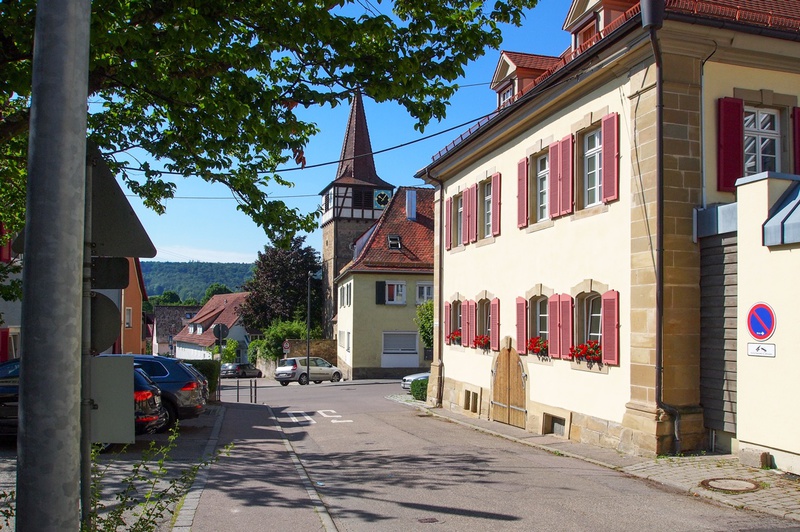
{"x":341,"y":420}
{"x":324,"y":414}
{"x":305,"y":417}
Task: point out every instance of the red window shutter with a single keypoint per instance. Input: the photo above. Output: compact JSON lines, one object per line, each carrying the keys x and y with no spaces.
{"x":471,"y":306}
{"x":446,"y":326}
{"x":565,"y":324}
{"x":4,"y":336}
{"x":730,"y":147}
{"x":522,"y":193}
{"x":565,"y":179}
{"x":554,"y":180}
{"x":796,"y":138}
{"x":494,"y":333}
{"x":465,"y":341}
{"x":473,"y":212}
{"x":465,"y":216}
{"x":496,"y":204}
{"x":522,"y":325}
{"x":5,"y":249}
{"x":554,"y":346}
{"x":610,"y":321}
{"x":448,"y":216}
{"x":610,"y":171}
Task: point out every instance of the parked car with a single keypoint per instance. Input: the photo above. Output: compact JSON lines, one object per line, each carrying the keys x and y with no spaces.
{"x":294,"y":369}
{"x":9,"y":396}
{"x":239,"y":370}
{"x":408,"y":379}
{"x":149,"y":412}
{"x":183,"y":393}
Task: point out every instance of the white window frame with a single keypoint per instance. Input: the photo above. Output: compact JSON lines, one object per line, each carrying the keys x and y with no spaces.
{"x":538,"y":319}
{"x":484,"y":321}
{"x":128,"y":317}
{"x":592,"y":168}
{"x":399,"y":293}
{"x":506,"y":95}
{"x":455,"y":316}
{"x":592,"y":319}
{"x":486,"y":208}
{"x":424,"y":292}
{"x":458,"y":214}
{"x":539,"y":188}
{"x":755,"y":137}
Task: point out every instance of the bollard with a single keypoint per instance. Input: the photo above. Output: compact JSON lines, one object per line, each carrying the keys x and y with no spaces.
{"x":237,"y":390}
{"x":255,"y":390}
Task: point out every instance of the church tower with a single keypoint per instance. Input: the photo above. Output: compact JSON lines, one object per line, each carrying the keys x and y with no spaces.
{"x":351,"y":204}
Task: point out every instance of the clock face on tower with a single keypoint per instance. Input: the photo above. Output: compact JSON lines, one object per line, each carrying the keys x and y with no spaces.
{"x":382,"y":198}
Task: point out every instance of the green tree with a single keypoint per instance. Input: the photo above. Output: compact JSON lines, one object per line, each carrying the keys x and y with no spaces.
{"x":279,"y":287}
{"x":169,"y":298}
{"x":210,"y":89}
{"x":424,"y":321}
{"x":214,"y":289}
{"x":228,"y":351}
{"x":271,"y":346}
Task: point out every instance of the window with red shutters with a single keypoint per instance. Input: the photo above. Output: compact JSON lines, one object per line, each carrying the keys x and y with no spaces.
{"x":555,"y":348}
{"x":610,"y":164}
{"x":496,"y":205}
{"x":730,"y":144}
{"x":448,"y":220}
{"x":566,"y":188}
{"x":5,"y":249}
{"x":565,"y":324}
{"x":553,"y":184}
{"x":522,"y":325}
{"x":447,"y":328}
{"x":473,"y":212}
{"x":466,"y":214}
{"x":610,"y":324}
{"x":494,"y":329}
{"x":522,"y":193}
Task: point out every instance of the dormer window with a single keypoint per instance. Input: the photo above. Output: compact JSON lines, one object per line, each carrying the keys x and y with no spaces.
{"x":191,"y":328}
{"x":394,"y":242}
{"x":505,"y":96}
{"x":199,"y":329}
{"x":587,"y":33}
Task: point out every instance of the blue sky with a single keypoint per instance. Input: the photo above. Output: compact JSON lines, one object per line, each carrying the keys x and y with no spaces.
{"x":202,"y":224}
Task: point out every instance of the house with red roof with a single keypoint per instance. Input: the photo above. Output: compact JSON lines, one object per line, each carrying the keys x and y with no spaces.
{"x":196,"y":339}
{"x":379,"y":290}
{"x":616,"y":244}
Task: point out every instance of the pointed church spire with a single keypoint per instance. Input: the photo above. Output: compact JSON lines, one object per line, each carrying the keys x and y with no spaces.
{"x":356,"y":163}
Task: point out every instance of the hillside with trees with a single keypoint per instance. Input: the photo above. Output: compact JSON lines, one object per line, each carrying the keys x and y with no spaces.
{"x":190,"y":280}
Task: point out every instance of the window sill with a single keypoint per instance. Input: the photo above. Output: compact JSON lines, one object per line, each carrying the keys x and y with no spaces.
{"x":590,"y":367}
{"x":485,"y":241}
{"x":589,"y":211}
{"x":539,"y":226}
{"x":541,"y":361}
{"x":457,"y":249}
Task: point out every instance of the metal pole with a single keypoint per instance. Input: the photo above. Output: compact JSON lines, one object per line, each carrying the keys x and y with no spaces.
{"x":308,"y":328}
{"x":48,"y":442}
{"x":237,"y":390}
{"x":86,"y":359}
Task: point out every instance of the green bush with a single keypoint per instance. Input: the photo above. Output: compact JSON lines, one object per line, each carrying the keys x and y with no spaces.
{"x":419,"y":389}
{"x":209,"y":368}
{"x":275,"y":334}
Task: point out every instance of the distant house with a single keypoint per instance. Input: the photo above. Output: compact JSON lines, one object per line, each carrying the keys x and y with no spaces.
{"x":196,"y":339}
{"x":379,"y":290}
{"x":133,"y":331}
{"x":11,"y":312}
{"x":168,"y":321}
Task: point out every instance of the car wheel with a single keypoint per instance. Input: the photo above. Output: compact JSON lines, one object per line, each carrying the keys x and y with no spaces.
{"x":172,"y":416}
{"x":303,"y":380}
{"x":336,"y":377}
{"x":284,"y":383}
{"x":259,"y":375}
{"x":317,"y":382}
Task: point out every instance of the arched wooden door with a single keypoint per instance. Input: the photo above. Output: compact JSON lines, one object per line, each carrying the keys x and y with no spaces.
{"x":508,"y":389}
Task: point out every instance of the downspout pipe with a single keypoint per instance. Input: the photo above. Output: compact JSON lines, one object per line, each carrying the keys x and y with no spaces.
{"x":652,"y":20}
{"x":440,"y":378}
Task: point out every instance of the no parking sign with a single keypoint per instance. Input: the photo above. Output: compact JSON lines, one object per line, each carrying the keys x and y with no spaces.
{"x":761,"y":321}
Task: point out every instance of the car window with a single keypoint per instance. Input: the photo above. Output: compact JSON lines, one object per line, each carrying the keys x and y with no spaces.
{"x":153,"y":368}
{"x":9,"y":370}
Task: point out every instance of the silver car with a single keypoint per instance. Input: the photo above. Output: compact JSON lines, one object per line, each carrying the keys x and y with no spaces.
{"x":294,"y":369}
{"x":408,"y":379}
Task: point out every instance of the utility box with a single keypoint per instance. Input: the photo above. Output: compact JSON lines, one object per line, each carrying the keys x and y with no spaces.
{"x":112,"y":393}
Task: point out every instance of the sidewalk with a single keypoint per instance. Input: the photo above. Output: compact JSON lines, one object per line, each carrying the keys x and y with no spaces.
{"x":718,"y":477}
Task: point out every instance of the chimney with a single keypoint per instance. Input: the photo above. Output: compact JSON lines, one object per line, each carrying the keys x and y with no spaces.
{"x":411,"y":205}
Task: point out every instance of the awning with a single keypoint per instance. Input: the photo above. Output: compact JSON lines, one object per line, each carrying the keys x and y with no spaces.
{"x":783,"y":225}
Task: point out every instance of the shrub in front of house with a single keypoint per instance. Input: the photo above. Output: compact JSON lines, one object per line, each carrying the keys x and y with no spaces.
{"x":419,"y":389}
{"x":209,"y":368}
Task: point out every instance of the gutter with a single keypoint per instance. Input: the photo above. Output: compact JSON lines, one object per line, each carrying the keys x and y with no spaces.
{"x":439,"y":317}
{"x":652,"y":19}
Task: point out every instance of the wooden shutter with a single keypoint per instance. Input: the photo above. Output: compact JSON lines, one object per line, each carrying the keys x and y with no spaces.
{"x":467,"y":321}
{"x":448,"y":217}
{"x":473,"y":212}
{"x":496,"y":205}
{"x":565,"y":324}
{"x":553,"y":180}
{"x":522,"y":193}
{"x":5,"y":249}
{"x":796,"y":138}
{"x":380,"y":292}
{"x":494,"y":333}
{"x":4,"y":341}
{"x":522,"y":325}
{"x":565,"y":177}
{"x":610,"y":321}
{"x":554,"y":346}
{"x":730,"y":144}
{"x":446,"y":326}
{"x":610,"y":163}
{"x":465,"y":216}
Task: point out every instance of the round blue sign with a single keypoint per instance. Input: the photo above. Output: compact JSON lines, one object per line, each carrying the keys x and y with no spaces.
{"x":761,"y":321}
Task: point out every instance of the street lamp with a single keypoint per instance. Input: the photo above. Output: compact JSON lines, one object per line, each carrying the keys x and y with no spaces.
{"x":311,"y":275}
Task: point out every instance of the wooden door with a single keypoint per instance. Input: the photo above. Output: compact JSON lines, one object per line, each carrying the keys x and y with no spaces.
{"x":508,"y":389}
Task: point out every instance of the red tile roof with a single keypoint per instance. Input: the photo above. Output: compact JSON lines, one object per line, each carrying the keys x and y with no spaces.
{"x":534,"y":61}
{"x":221,"y":308}
{"x":783,"y":15}
{"x":416,"y":238}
